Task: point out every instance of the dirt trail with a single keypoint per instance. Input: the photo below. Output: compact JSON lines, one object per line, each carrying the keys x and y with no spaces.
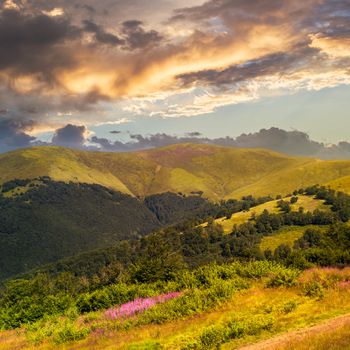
{"x":325,"y":327}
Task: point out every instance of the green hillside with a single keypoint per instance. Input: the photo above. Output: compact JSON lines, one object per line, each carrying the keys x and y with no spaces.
{"x":219,"y":172}
{"x":182,"y":287}
{"x":42,"y":221}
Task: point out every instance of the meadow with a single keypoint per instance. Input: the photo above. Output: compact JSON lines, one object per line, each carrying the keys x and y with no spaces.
{"x":265,"y":307}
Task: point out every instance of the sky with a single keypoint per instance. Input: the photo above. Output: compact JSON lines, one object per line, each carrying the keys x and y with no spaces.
{"x":75,"y":72}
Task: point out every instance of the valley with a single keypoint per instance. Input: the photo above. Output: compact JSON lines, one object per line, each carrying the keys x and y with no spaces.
{"x":157,"y":264}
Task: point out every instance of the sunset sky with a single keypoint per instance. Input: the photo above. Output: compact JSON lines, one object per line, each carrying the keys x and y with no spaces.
{"x":218,"y":67}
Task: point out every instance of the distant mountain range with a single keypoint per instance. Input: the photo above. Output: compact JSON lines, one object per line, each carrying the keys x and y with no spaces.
{"x":218,"y":172}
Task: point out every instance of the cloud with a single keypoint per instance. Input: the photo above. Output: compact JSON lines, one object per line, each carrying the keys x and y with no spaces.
{"x":57,"y":11}
{"x":137,"y":37}
{"x":101,"y":35}
{"x":164,"y":59}
{"x":290,"y":142}
{"x":194,"y":134}
{"x":296,"y":143}
{"x":13,"y":134}
{"x":70,"y":136}
{"x":32,"y":44}
{"x":276,"y":63}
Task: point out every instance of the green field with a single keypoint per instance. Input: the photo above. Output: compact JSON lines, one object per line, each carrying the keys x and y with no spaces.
{"x":220,"y":172}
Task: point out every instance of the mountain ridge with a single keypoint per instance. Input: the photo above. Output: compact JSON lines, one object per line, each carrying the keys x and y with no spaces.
{"x":217,"y":171}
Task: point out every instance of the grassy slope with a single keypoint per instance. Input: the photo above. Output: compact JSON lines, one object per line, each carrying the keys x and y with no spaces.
{"x":244,"y":305}
{"x":217,"y":171}
{"x":307,"y":202}
{"x":342,"y":184}
{"x":295,"y":176}
{"x":287,"y":235}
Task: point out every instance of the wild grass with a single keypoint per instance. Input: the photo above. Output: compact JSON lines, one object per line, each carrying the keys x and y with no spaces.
{"x":241,"y":317}
{"x":333,"y":335}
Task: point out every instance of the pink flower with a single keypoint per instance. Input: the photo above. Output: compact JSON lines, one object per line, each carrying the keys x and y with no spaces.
{"x":138,"y":305}
{"x":344,"y":284}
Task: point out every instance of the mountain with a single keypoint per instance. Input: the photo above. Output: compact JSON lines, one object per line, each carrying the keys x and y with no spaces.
{"x":218,"y":172}
{"x":42,"y":221}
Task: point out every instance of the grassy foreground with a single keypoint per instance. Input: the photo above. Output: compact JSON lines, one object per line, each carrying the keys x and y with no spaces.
{"x":332,"y":334}
{"x":260,"y":312}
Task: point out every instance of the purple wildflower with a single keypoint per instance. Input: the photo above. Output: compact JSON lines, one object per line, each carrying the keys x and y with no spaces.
{"x":138,"y":305}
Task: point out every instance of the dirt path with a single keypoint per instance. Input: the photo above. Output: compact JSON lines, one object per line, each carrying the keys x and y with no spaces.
{"x":325,"y":327}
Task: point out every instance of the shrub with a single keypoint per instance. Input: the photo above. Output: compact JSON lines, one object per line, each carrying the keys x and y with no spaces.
{"x":314,"y":289}
{"x":60,"y":331}
{"x":69,"y":332}
{"x":284,"y":278}
{"x":289,"y":306}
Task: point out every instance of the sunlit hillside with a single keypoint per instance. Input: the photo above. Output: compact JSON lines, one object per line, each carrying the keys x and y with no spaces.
{"x":219,"y":172}
{"x":308,"y":203}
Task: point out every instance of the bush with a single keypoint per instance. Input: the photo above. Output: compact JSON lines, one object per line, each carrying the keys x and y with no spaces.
{"x":69,"y":332}
{"x":289,"y":306}
{"x":284,"y":278}
{"x":59,"y":331}
{"x":314,"y":289}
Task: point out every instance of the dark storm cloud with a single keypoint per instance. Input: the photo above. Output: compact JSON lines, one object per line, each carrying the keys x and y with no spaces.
{"x":70,"y":136}
{"x":101,"y":35}
{"x":33,"y":43}
{"x":12,"y":134}
{"x":137,"y":37}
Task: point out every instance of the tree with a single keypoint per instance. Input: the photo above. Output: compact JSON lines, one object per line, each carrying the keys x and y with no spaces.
{"x":293,"y":200}
{"x":282,"y":252}
{"x":158,"y":260}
